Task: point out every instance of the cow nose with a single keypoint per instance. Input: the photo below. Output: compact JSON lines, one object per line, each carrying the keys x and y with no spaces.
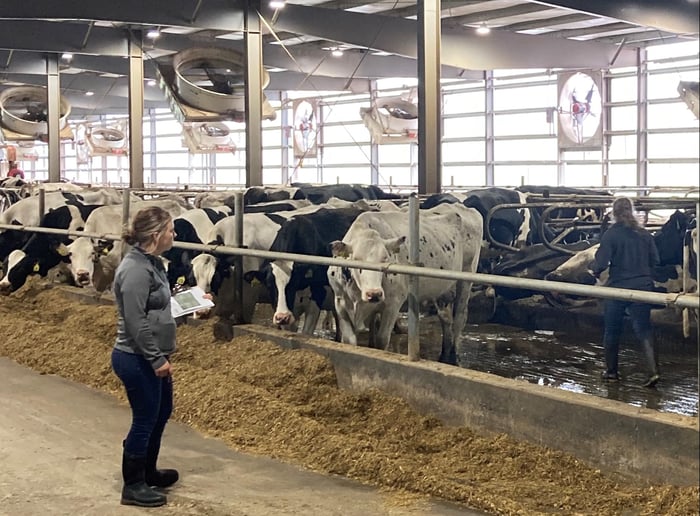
{"x":5,"y":288}
{"x":283,"y":318}
{"x":83,"y":277}
{"x":374,"y":296}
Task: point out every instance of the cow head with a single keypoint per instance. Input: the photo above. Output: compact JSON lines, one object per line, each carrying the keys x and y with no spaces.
{"x":84,"y":253}
{"x":370,"y":247}
{"x":209,"y":272}
{"x":278,"y":278}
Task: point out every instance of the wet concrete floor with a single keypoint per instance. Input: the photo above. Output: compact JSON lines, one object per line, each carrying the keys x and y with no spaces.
{"x":559,"y":360}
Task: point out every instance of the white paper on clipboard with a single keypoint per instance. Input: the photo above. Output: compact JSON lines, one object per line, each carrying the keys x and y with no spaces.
{"x":189,"y":301}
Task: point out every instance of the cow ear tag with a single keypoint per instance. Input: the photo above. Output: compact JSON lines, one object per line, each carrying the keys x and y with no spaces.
{"x":105,"y":250}
{"x":36,"y":267}
{"x":255,"y":282}
{"x":62,"y":250}
{"x":181,"y":280}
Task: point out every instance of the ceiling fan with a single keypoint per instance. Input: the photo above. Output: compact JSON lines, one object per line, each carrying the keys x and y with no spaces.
{"x":579,"y":109}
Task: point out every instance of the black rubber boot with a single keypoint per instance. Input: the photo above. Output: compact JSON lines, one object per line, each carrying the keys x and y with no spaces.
{"x":158,"y":477}
{"x":135,"y":490}
{"x":611,"y":357}
{"x":649,"y":353}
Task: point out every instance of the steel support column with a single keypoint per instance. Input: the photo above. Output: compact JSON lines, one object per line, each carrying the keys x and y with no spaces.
{"x":54,"y":117}
{"x":429,"y":99}
{"x":373,"y":146}
{"x":642,"y":124}
{"x":153,"y":162}
{"x":253,"y":94}
{"x":489,"y":129}
{"x":286,"y":132}
{"x":135,"y":110}
{"x":605,"y":123}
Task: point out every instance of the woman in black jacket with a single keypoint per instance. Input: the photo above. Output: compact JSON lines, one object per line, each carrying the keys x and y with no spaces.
{"x":629,"y":250}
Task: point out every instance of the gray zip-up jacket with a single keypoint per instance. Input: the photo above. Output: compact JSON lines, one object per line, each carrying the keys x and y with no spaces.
{"x":146,"y":325}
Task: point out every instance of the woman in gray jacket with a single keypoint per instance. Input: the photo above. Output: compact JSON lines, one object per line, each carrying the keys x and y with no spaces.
{"x":141,"y":354}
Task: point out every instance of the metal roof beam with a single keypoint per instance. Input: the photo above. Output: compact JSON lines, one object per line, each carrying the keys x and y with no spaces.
{"x":461,"y":48}
{"x":595,"y":29}
{"x":507,"y":12}
{"x":681,"y":17}
{"x":214,"y":14}
{"x":548,"y":22}
{"x":62,"y":37}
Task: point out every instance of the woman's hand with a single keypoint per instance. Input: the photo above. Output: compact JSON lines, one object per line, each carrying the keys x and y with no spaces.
{"x":164,"y":370}
{"x":208,"y":296}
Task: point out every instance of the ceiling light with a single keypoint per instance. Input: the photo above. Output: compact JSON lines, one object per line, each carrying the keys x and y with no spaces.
{"x":153,"y":34}
{"x":67,"y":56}
{"x":89,"y":93}
{"x":336,"y":52}
{"x":483,"y":29}
{"x":151,"y":82}
{"x":277,"y":4}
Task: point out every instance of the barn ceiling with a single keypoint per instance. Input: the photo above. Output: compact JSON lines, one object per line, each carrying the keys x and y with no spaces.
{"x":298,"y":40}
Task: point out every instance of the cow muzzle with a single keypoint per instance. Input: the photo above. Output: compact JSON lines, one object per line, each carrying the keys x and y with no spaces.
{"x":283,"y":318}
{"x":82,"y":278}
{"x":373,"y":295}
{"x":5,"y":288}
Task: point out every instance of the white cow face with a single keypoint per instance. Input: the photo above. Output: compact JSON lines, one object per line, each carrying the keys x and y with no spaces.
{"x":84,"y":253}
{"x":203,"y":269}
{"x":370,"y":247}
{"x":281,"y":271}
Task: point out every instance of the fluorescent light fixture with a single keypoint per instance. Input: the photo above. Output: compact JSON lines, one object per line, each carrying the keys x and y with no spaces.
{"x":336,"y":52}
{"x":483,"y":29}
{"x":381,"y":53}
{"x":153,"y":34}
{"x":151,"y":82}
{"x":66,"y":56}
{"x":277,"y":4}
{"x":89,"y":93}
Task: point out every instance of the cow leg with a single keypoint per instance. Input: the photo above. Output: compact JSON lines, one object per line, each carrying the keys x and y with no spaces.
{"x":444,"y":313}
{"x":311,"y":316}
{"x":461,"y":306}
{"x":386,"y":324}
{"x":345,"y":322}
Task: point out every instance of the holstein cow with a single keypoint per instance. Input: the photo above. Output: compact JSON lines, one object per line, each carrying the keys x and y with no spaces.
{"x":42,"y":251}
{"x":303,"y":234}
{"x":93,"y":261}
{"x":193,"y":227}
{"x":509,"y":226}
{"x":210,"y":270}
{"x":319,"y":194}
{"x":26,"y":213}
{"x":670,"y":241}
{"x":450,"y":239}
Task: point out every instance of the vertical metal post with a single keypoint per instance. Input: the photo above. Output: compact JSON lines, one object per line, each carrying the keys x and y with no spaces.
{"x":414,"y":259}
{"x":238,"y":260}
{"x":489,"y":120}
{"x":606,"y":125}
{"x":642,"y":125}
{"x":373,"y":146}
{"x":429,"y":106}
{"x":136,"y":110}
{"x":126,"y":205}
{"x":285,"y":133}
{"x":253,"y":94}
{"x":42,"y":202}
{"x":153,"y":162}
{"x":54,"y":117}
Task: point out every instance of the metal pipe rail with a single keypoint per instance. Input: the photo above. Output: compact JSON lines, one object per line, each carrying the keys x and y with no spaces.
{"x":678,"y":299}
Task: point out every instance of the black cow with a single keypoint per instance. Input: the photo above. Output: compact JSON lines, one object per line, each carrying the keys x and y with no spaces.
{"x":532,"y":262}
{"x":509,"y":226}
{"x":304,"y":234}
{"x":319,"y":194}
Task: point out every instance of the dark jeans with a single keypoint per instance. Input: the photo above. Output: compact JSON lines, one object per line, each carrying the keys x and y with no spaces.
{"x":151,"y":400}
{"x":614,"y":314}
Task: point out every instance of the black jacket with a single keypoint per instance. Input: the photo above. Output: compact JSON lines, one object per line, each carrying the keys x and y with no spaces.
{"x":631,"y":255}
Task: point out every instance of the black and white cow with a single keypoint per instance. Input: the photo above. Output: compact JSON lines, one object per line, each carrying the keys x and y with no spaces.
{"x":309,"y":234}
{"x":319,"y":194}
{"x":93,"y":261}
{"x":26,"y":213}
{"x":450,"y":239}
{"x":43,"y":251}
{"x":509,"y":226}
{"x":193,"y":227}
{"x":668,"y":275}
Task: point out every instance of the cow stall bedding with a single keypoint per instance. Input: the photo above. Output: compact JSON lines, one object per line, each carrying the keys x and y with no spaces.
{"x":286,"y":404}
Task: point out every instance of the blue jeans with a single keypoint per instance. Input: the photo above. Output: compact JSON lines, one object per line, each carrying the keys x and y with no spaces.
{"x":613,"y":314}
{"x":150,"y":398}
